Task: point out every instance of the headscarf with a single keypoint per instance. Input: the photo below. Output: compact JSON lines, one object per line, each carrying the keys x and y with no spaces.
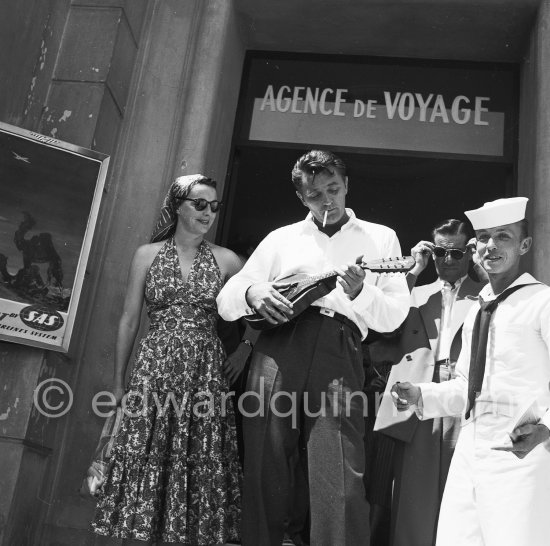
{"x":166,"y":223}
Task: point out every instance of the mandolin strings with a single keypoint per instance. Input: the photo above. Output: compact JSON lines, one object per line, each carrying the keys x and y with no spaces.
{"x":384,"y":265}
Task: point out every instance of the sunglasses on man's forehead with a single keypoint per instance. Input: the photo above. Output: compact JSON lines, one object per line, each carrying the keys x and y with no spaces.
{"x":200,"y":203}
{"x":454,"y":253}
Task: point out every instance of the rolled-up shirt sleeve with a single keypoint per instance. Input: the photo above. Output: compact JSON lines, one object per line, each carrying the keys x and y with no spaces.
{"x":382,"y":306}
{"x":384,"y":300}
{"x":260,"y":267}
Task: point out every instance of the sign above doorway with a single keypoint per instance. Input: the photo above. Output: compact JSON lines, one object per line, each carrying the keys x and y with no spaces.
{"x":381,"y":104}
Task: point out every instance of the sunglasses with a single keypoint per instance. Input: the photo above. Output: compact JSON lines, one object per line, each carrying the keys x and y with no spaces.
{"x":455,"y":253}
{"x":200,"y":204}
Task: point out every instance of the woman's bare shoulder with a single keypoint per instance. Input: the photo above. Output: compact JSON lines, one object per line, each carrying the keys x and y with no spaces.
{"x":227,"y":260}
{"x":145,"y":254}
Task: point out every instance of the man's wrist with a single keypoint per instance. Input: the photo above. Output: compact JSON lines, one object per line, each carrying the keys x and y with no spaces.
{"x":356,"y":292}
{"x":419,"y":405}
{"x":248,"y":342}
{"x":419,"y":402}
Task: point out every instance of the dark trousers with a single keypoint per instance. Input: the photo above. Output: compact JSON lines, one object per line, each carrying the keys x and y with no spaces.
{"x":305,"y":390}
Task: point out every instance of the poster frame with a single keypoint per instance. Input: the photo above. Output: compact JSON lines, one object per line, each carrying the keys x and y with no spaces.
{"x":36,"y":323}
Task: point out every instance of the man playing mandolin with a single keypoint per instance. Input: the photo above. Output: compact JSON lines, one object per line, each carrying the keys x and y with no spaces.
{"x":306,"y":375}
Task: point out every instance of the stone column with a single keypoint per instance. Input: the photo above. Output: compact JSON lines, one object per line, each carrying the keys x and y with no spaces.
{"x":534,"y":139}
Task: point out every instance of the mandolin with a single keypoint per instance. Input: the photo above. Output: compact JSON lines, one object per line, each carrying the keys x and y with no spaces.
{"x":304,"y":289}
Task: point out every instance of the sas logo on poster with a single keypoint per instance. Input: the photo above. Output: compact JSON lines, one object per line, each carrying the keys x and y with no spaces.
{"x":41,"y":317}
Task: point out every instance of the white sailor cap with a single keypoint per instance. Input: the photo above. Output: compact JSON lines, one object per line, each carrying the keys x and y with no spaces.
{"x":498,"y":213}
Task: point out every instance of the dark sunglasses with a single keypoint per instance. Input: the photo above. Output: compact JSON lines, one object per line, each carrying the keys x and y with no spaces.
{"x":455,"y":253}
{"x":200,"y":204}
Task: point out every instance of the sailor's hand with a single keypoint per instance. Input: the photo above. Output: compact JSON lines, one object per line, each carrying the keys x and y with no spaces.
{"x":405,"y":395}
{"x":265,"y":299}
{"x":350,"y":278}
{"x":527,"y":437}
{"x":471,"y":247}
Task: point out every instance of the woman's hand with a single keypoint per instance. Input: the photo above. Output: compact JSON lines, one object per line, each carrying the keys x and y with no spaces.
{"x":234,"y":364}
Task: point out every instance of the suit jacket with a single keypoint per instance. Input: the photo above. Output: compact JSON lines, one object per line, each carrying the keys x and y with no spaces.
{"x":417,"y":343}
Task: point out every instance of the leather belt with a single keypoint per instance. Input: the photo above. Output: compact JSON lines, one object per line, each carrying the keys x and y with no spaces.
{"x":340,"y":318}
{"x":445,"y":361}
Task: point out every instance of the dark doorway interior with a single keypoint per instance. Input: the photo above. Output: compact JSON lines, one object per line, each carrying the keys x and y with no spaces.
{"x":409,"y":194}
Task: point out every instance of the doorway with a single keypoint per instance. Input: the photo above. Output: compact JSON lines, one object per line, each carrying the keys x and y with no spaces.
{"x":423,"y":140}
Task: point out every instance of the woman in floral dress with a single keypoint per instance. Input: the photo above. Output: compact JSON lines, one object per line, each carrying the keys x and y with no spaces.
{"x":175,"y":475}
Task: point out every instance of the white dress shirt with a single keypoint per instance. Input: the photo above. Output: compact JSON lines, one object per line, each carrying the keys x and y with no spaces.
{"x":383,"y":302}
{"x":448,"y":297}
{"x":517,"y":367}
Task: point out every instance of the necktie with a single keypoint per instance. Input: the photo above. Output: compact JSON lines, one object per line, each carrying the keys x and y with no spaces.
{"x":447,"y":292}
{"x":480,"y":333}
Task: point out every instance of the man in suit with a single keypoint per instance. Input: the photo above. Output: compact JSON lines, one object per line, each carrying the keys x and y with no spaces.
{"x":429,"y":343}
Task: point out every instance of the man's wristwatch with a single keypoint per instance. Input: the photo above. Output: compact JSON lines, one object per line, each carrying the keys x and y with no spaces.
{"x":248,"y":342}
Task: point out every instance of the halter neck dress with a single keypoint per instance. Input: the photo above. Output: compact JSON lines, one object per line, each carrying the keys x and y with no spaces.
{"x":175,"y":474}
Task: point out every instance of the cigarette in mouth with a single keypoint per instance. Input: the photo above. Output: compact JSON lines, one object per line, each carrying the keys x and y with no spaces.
{"x":325,"y":218}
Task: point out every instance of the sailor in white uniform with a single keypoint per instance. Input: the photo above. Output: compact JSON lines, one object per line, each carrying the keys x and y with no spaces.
{"x":497,"y":497}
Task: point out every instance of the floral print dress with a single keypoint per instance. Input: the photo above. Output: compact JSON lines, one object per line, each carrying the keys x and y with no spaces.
{"x":175,"y":474}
